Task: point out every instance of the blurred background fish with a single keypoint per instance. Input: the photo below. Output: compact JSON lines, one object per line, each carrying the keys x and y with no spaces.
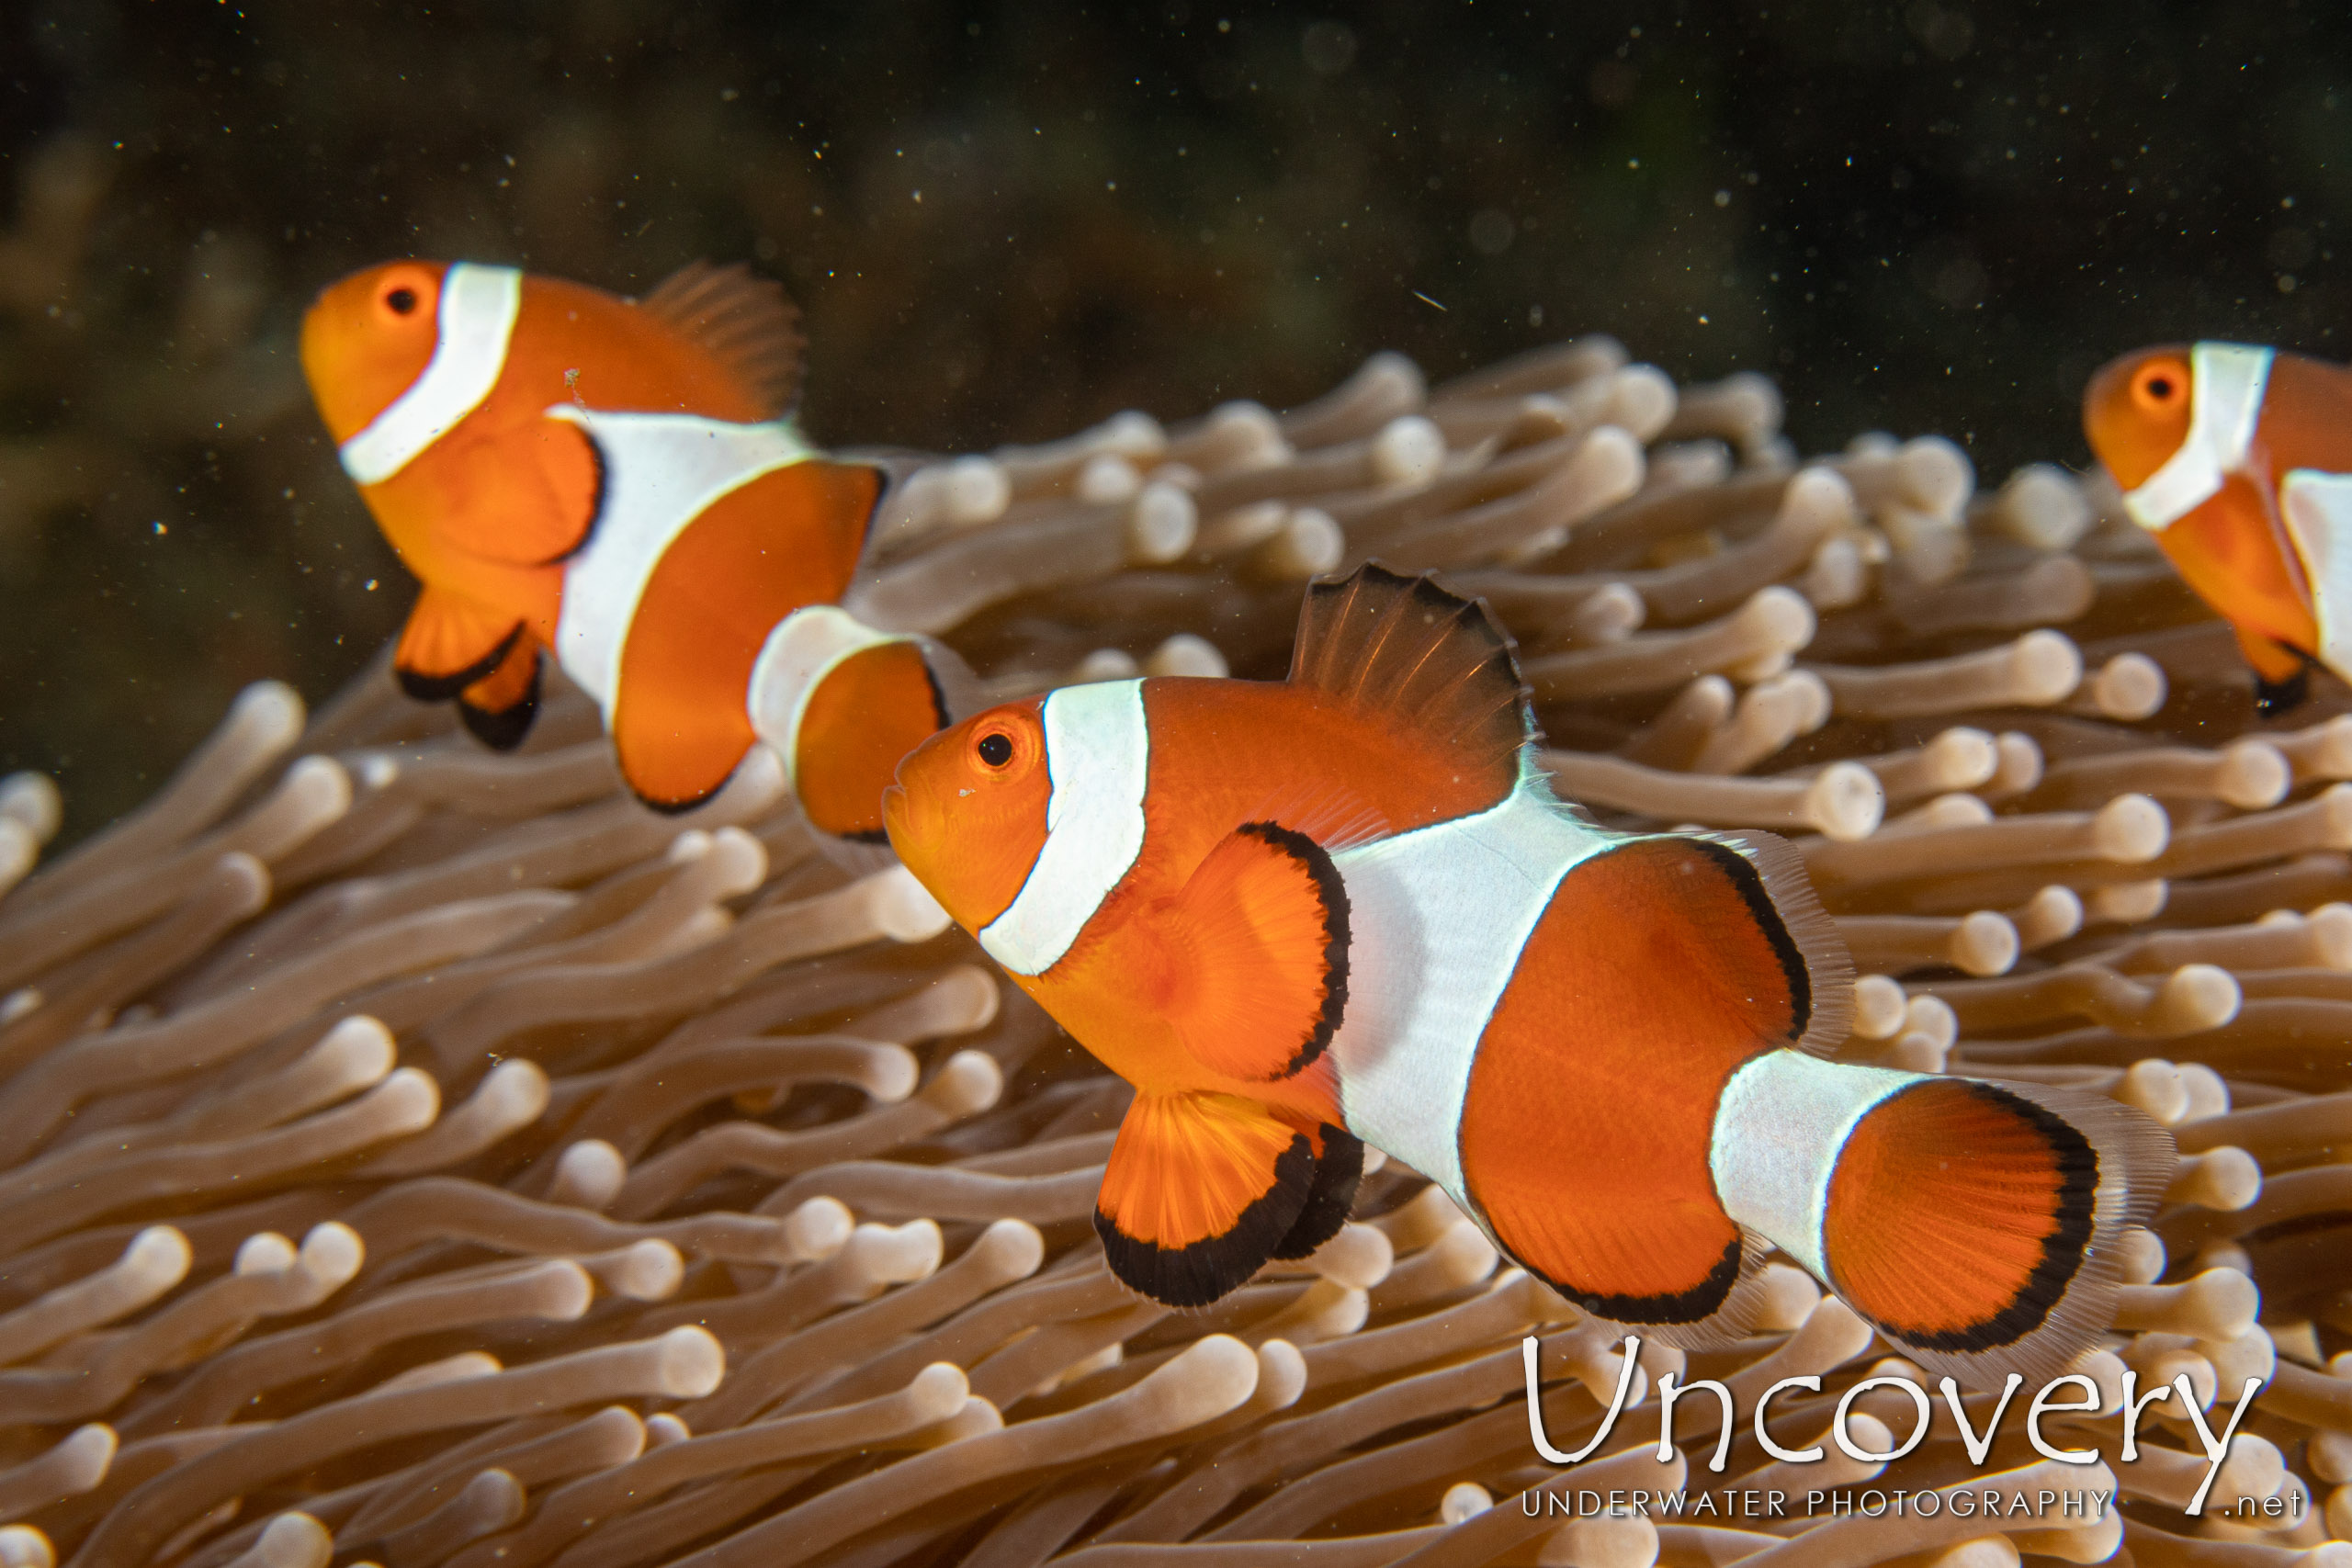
{"x":618,"y":485}
{"x":2239,"y":460}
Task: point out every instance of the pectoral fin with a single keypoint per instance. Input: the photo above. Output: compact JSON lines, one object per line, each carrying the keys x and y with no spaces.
{"x":535,"y":503}
{"x":1263,"y":924}
{"x":1201,"y":1189}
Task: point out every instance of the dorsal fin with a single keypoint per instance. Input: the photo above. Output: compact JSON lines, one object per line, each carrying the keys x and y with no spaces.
{"x":742,"y":320}
{"x":1432,"y":661}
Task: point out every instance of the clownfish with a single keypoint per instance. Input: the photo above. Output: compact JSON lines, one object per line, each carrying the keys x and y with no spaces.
{"x":618,"y":483}
{"x":1346,"y":909}
{"x":2239,"y":460}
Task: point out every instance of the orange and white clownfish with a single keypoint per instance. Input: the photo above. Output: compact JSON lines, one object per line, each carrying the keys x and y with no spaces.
{"x":619,"y":482}
{"x":1347,"y":907}
{"x":2239,"y":460}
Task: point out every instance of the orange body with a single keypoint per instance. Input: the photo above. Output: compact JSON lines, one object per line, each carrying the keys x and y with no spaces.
{"x":1343,"y":911}
{"x":488,"y":512}
{"x":613,"y":482}
{"x":1224,"y":753}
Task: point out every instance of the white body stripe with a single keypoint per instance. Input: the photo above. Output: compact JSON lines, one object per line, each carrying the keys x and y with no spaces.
{"x":475,"y":320}
{"x":662,"y":471}
{"x":805,"y":647}
{"x":1780,"y":1124}
{"x":2226,"y":383}
{"x":2318,"y":511}
{"x":1098,"y":758}
{"x":1436,"y":920}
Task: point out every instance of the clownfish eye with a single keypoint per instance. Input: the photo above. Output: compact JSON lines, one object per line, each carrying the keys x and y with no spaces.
{"x":400,"y":301}
{"x":995,"y":749}
{"x":2158,"y":387}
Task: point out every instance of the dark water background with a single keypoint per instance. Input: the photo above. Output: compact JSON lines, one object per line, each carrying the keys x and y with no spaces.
{"x":1007,"y":222}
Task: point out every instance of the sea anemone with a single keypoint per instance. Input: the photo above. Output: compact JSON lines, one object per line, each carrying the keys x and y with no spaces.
{"x":414,"y":1155}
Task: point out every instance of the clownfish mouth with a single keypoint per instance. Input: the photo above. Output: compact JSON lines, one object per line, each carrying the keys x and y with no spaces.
{"x":910,"y":823}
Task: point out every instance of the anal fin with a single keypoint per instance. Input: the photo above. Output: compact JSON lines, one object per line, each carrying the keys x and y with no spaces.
{"x":1339,"y":1170}
{"x":499,"y":708}
{"x":450,"y":643}
{"x":2282,"y":675}
{"x":1201,"y":1191}
{"x":1261,"y":929}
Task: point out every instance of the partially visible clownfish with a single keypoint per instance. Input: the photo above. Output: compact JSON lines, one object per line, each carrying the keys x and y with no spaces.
{"x":619,"y":482}
{"x":1348,"y":906}
{"x":2239,"y":460}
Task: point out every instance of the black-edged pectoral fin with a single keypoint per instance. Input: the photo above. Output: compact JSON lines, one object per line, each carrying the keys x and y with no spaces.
{"x":1265,"y":917}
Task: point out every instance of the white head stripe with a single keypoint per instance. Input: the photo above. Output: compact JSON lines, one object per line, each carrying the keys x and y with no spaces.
{"x":806,"y":645}
{"x":1782,"y":1124}
{"x":1098,"y":758}
{"x":2225,"y":386}
{"x":476,"y":318}
{"x":2317,"y":508}
{"x":662,"y":471}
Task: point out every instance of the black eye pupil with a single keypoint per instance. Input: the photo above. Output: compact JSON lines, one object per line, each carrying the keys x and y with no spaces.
{"x":995,"y":750}
{"x":401,"y":300}
{"x":2159,"y":388}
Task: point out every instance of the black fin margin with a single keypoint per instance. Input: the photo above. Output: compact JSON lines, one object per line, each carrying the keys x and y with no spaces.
{"x":1749,"y":881}
{"x":1331,"y":1198}
{"x":2272,"y":699}
{"x":1345,"y":625}
{"x":940,"y":713}
{"x":505,"y":730}
{"x":677,"y":807}
{"x":1698,"y":1302}
{"x":427,"y":688}
{"x":1334,"y":893}
{"x":2063,"y":1250}
{"x":1209,"y":1269}
{"x":596,"y":500}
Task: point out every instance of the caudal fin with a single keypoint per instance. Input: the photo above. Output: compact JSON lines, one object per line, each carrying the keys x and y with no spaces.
{"x":867,"y":713}
{"x":1977,"y":1223}
{"x":843,"y":704}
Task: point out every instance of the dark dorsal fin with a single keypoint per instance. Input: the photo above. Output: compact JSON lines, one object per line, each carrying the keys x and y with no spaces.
{"x":1434,"y":662}
{"x":742,"y":320}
